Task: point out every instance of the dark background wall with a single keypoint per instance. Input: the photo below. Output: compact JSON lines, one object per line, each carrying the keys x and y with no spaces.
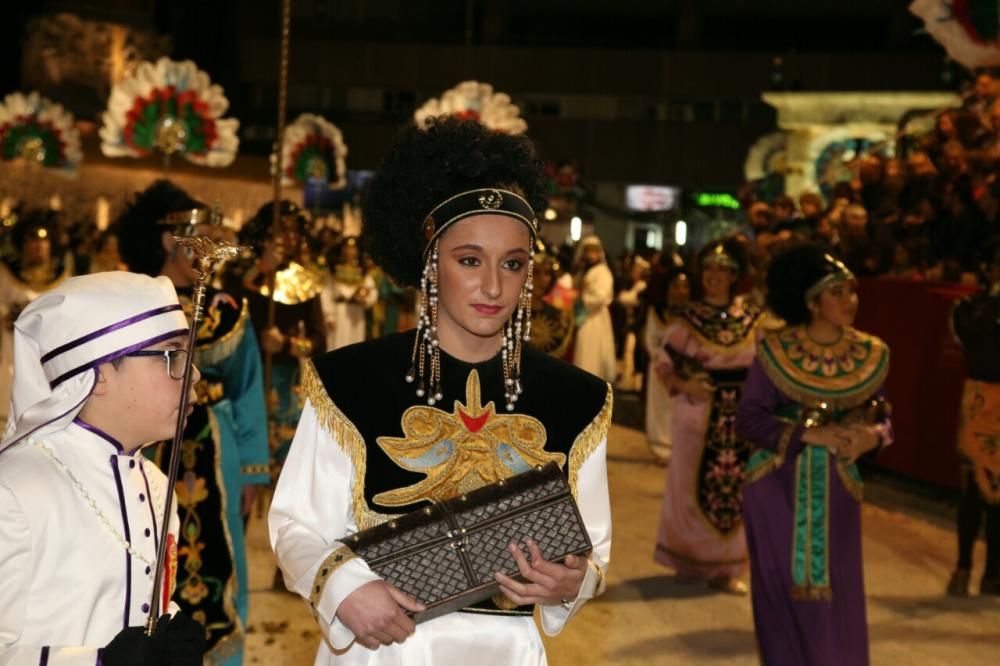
{"x":633,"y":90}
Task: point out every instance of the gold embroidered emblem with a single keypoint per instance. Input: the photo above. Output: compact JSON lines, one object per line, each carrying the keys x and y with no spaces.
{"x":491,"y":199}
{"x":467,"y":449}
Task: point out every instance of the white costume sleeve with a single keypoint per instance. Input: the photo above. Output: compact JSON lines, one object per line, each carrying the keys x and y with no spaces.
{"x":595,"y":509}
{"x":598,"y":288}
{"x":16,"y":560}
{"x":313,"y":508}
{"x":371,"y":292}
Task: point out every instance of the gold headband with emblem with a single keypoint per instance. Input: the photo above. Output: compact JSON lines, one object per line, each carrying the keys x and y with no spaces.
{"x":839,"y":273}
{"x":477,"y":202}
{"x":718,"y":256}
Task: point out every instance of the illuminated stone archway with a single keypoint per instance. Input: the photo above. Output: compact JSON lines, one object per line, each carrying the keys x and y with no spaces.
{"x":824,"y":128}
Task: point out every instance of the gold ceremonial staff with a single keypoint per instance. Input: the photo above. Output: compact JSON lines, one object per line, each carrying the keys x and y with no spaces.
{"x":207,"y":254}
{"x":286,"y":30}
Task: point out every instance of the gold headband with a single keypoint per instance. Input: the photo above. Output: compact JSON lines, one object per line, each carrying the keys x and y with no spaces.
{"x":719,"y":257}
{"x":478,"y":202}
{"x":841,"y":273}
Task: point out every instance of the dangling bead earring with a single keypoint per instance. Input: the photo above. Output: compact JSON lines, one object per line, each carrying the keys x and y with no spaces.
{"x":517,"y":331}
{"x":426,"y":348}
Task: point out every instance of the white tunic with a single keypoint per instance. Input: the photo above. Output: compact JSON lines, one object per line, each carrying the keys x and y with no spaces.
{"x":594,"y":344}
{"x":659,"y":402}
{"x":345,"y":318}
{"x":68,"y":504}
{"x":312,"y":509}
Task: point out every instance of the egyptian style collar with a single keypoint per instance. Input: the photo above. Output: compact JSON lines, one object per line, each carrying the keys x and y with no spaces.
{"x":843,"y":374}
{"x":222,"y":328}
{"x":723,"y":329}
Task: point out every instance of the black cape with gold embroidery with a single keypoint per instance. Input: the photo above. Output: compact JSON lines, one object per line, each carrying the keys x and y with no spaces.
{"x":561,"y":406}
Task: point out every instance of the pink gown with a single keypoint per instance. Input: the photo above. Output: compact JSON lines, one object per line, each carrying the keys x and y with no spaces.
{"x":701,"y":524}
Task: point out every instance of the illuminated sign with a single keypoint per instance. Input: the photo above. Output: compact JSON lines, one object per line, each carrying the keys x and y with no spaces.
{"x":651,"y":197}
{"x":717,"y":200}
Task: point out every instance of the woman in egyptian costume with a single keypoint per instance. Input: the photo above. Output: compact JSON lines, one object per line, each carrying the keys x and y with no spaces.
{"x":551,"y":327}
{"x":708,"y":348}
{"x":394,"y":424}
{"x":811,"y":406}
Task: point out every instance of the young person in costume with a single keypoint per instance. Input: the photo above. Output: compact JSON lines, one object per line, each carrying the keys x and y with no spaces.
{"x":97,"y":365}
{"x":225,"y":444}
{"x":349,"y":293}
{"x":669,"y":294}
{"x":451,"y":210}
{"x":977,"y":327}
{"x":551,"y":328}
{"x":282,"y":260}
{"x":810,"y":407}
{"x":594,"y":344}
{"x":703,"y":363}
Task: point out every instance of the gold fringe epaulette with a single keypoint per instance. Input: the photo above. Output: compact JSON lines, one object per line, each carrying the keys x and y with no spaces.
{"x":217,"y":351}
{"x":349,"y":439}
{"x":588,"y":441}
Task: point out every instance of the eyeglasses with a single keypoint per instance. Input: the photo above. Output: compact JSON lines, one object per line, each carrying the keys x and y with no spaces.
{"x":176,"y":359}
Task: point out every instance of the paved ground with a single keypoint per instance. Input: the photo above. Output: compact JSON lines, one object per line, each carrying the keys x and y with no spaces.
{"x":646,"y":617}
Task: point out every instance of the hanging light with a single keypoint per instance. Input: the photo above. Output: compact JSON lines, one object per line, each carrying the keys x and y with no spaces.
{"x":551,"y":214}
{"x":575,"y":228}
{"x":680,"y":232}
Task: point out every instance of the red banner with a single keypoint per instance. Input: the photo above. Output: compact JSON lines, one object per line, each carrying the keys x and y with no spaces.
{"x":925,"y":376}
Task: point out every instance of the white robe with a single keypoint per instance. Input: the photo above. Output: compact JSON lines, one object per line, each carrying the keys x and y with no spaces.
{"x":312,"y":508}
{"x":345,"y":319}
{"x":68,"y":584}
{"x":659,"y":402}
{"x":594,"y":344}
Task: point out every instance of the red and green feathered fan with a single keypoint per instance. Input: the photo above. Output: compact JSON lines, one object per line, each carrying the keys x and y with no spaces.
{"x":172,"y":108}
{"x":472,"y":100}
{"x":313,"y":150}
{"x":35,"y":129}
{"x":968,"y":29}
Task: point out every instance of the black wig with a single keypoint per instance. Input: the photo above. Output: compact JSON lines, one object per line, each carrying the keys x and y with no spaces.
{"x":790,"y":275}
{"x":429,"y":164}
{"x":140,"y":236}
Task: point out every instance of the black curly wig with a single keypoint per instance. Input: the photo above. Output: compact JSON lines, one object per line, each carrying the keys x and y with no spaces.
{"x":429,"y":164}
{"x":258,"y":228}
{"x":140,"y":238}
{"x":791,"y":273}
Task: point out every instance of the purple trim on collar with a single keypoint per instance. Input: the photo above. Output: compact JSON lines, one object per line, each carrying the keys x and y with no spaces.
{"x":128,"y":538}
{"x":108,"y":329}
{"x":152,"y":512}
{"x":115,"y":355}
{"x":100,"y":433}
{"x":43,"y":658}
{"x":75,"y":408}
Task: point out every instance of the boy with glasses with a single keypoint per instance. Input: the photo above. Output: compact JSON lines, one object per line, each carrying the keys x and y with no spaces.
{"x":97,"y":363}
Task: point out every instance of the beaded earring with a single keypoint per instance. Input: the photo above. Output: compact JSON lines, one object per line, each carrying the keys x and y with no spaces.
{"x":517,"y":331}
{"x":427,"y":349}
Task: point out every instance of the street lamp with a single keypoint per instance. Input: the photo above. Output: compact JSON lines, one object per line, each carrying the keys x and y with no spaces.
{"x":680,"y":233}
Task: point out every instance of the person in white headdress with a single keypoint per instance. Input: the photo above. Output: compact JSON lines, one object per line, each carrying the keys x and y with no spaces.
{"x":97,"y":363}
{"x":594,"y":348}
